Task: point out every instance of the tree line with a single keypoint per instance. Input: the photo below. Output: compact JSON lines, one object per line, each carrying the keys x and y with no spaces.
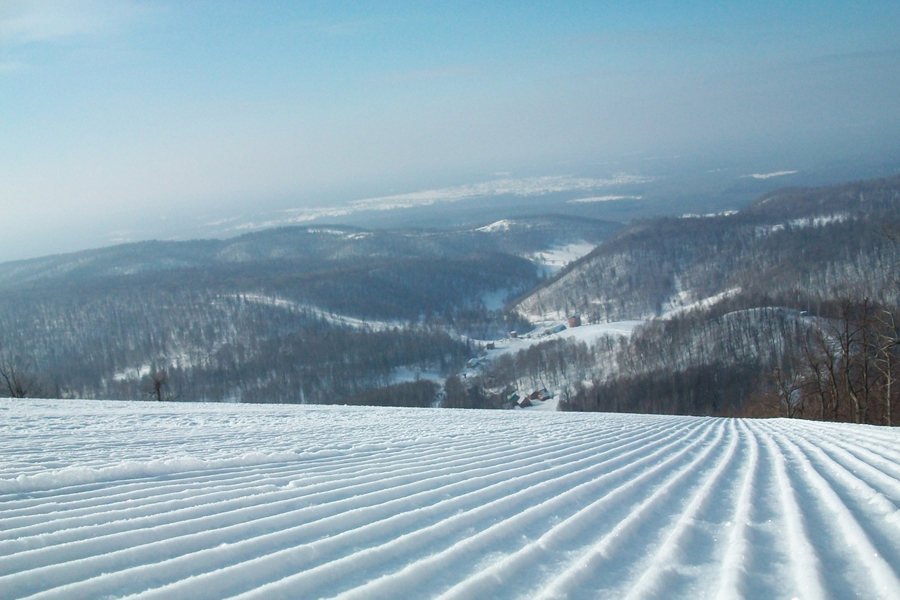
{"x":840,"y":364}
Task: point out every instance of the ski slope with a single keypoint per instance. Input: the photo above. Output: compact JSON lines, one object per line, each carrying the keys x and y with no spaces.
{"x":147,"y":500}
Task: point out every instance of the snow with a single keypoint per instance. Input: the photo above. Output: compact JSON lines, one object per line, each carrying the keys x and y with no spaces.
{"x":681,"y":303}
{"x":327,"y":316}
{"x":496,"y":299}
{"x":820,"y":221}
{"x":804,"y":223}
{"x":182,"y":359}
{"x":132,"y":373}
{"x":501,"y":225}
{"x":555,"y":258}
{"x":165,"y":500}
{"x":410,"y":374}
{"x":724,"y":213}
{"x":551,"y":404}
{"x":588,"y":334}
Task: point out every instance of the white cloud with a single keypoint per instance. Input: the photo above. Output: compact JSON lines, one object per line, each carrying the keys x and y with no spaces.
{"x":770,"y":175}
{"x":529,"y":186}
{"x":30,"y":21}
{"x":11,"y":66}
{"x":603,"y":199}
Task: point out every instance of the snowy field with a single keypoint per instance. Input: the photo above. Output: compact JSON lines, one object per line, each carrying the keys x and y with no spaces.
{"x":109,"y":500}
{"x":556,"y":258}
{"x":589,"y":334}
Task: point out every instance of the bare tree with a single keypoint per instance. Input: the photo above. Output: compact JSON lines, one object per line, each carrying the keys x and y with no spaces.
{"x":887,"y":346}
{"x":816,"y":372}
{"x":825,"y":361}
{"x":16,"y":377}
{"x":788,"y":387}
{"x":159,"y":383}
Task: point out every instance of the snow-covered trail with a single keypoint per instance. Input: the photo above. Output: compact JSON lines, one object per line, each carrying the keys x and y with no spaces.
{"x":144,"y":500}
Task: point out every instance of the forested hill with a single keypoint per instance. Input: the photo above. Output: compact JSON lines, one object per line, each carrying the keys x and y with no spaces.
{"x":790,"y":307}
{"x":815,"y":241}
{"x":307,"y":249}
{"x":301,"y":314}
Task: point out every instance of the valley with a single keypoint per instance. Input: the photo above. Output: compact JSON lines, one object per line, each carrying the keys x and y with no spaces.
{"x":725,"y":314}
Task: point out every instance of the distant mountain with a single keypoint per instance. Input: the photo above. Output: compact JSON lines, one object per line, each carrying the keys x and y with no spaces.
{"x":307,"y":249}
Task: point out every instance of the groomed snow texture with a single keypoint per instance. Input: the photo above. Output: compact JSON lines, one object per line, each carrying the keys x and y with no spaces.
{"x":146,"y":500}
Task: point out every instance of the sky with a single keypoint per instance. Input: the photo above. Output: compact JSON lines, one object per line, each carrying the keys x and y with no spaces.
{"x":117,"y":116}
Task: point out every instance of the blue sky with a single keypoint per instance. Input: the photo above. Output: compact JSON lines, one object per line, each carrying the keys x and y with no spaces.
{"x":114,"y":112}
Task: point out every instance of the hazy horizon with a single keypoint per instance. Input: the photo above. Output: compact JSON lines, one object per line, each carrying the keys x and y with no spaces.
{"x":126,"y":119}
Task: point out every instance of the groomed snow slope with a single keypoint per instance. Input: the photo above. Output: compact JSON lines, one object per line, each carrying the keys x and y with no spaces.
{"x":104,"y":499}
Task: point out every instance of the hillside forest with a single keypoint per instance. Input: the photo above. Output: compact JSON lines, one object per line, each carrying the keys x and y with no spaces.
{"x":789,"y":307}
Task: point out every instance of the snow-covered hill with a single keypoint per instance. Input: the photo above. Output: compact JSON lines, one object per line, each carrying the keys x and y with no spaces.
{"x":105,"y":499}
{"x":815,"y":240}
